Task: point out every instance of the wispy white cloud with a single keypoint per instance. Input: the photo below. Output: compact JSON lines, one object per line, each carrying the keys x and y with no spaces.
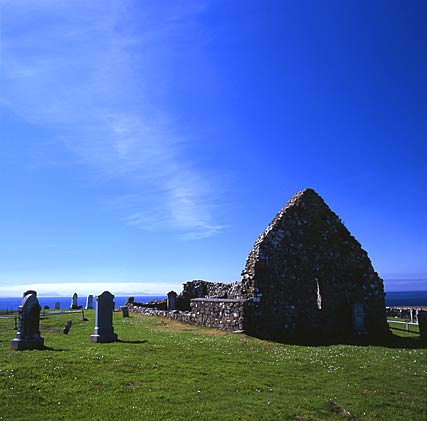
{"x":81,"y":69}
{"x":84,"y":288}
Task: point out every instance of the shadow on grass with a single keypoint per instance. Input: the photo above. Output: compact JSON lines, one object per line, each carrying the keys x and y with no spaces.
{"x":387,"y":341}
{"x":49,"y":348}
{"x":132,"y":342}
{"x":45,"y":348}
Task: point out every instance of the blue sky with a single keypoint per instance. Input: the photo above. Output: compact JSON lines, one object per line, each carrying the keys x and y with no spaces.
{"x":144,"y":144}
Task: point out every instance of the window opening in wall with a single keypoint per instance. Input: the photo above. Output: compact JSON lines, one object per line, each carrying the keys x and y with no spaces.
{"x":319,"y":297}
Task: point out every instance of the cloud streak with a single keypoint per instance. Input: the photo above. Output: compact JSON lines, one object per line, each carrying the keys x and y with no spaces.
{"x":67,"y":289}
{"x":82,"y":69}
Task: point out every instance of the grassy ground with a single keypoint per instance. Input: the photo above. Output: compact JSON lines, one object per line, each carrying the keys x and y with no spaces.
{"x":163,"y":370}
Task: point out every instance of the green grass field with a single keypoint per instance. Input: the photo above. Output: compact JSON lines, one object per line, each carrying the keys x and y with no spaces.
{"x":163,"y":370}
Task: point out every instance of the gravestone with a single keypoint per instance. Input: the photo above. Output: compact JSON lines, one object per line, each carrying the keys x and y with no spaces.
{"x":74,"y":301}
{"x":28,"y":334}
{"x":171,"y":301}
{"x":358,"y":318}
{"x":130,"y":300}
{"x":422,"y":323}
{"x":89,"y":302}
{"x":104,"y":331}
{"x":125,"y":311}
{"x":67,"y":327}
{"x":57,"y":305}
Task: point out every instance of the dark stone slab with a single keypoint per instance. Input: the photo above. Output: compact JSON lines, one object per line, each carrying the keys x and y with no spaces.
{"x":28,"y":334}
{"x":89,"y":302}
{"x":422,"y":323}
{"x":171,"y":300}
{"x":67,"y":327}
{"x":104,"y":331}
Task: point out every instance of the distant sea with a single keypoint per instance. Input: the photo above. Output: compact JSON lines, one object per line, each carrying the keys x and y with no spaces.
{"x":12,"y":303}
{"x":394,"y":298}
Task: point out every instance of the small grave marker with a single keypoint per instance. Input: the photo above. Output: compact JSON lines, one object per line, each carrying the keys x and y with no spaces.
{"x":67,"y":327}
{"x":171,"y":301}
{"x":74,"y":301}
{"x":89,"y":302}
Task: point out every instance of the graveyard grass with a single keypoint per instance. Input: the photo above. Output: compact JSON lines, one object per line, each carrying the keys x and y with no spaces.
{"x":163,"y":370}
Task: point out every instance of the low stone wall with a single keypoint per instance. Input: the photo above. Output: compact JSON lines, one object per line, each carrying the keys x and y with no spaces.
{"x":221,"y":313}
{"x":225,"y":314}
{"x":204,"y":289}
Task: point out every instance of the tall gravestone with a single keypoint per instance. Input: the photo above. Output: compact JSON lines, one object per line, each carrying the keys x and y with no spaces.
{"x":104,"y":331}
{"x":89,"y":302}
{"x":74,"y":304}
{"x":171,"y":301}
{"x":28,"y":334}
{"x":422,"y":323}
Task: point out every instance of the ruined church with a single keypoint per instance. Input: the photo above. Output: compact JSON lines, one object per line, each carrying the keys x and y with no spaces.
{"x":307,"y":275}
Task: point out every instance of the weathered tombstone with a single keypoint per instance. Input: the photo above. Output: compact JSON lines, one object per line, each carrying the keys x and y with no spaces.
{"x":171,"y":301}
{"x":125,"y":311}
{"x":28,"y":334}
{"x":422,"y":323}
{"x":57,"y":305}
{"x":358,"y":318}
{"x":67,"y":327}
{"x":130,"y":300}
{"x":74,"y":301}
{"x":104,"y":331}
{"x":89,"y":302}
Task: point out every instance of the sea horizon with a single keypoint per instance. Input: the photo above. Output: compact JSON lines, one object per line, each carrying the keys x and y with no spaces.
{"x":393,"y":298}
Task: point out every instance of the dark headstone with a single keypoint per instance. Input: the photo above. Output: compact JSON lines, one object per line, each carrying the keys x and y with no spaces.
{"x":28,"y":334}
{"x":67,"y":327}
{"x":89,"y":302}
{"x":104,"y":331}
{"x":422,"y":323}
{"x":125,"y":311}
{"x":74,"y":299}
{"x":171,"y":301}
{"x":130,"y":300}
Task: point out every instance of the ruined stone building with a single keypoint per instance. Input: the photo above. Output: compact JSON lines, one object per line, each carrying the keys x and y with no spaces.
{"x":306,"y":276}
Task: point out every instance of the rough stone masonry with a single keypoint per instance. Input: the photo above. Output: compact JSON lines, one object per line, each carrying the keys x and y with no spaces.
{"x":306,"y":273}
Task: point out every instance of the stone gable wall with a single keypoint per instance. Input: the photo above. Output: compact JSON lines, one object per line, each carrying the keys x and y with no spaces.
{"x":306,"y":271}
